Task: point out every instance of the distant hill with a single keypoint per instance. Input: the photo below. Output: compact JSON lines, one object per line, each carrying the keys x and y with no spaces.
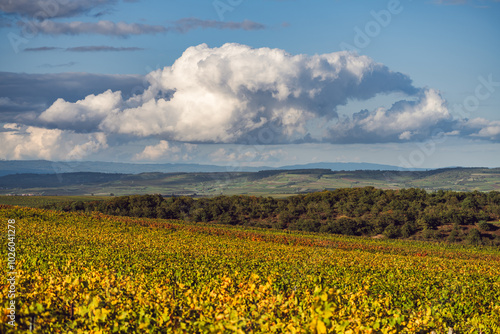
{"x":349,"y":166}
{"x":261,"y":183}
{"x":56,"y":167}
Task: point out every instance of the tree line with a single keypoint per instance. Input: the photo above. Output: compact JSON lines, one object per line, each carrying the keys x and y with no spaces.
{"x":365,"y":211}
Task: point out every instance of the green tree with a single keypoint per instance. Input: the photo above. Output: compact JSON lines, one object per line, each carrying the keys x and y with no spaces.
{"x":392,"y":231}
{"x":474,"y":237}
{"x":407,"y":230}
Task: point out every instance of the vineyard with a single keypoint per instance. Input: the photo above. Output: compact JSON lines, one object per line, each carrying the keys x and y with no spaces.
{"x":87,"y":272}
{"x":39,"y":201}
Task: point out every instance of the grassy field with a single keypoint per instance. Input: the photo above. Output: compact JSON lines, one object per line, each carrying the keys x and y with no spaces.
{"x":81,"y":273}
{"x":39,"y":201}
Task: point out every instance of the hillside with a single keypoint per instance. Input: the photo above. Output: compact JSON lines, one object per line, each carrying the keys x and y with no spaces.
{"x":8,"y":167}
{"x":408,"y":213}
{"x":270,"y":182}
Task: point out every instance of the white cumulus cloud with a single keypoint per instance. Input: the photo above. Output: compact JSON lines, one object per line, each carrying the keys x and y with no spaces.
{"x":29,"y":142}
{"x":482,"y":128}
{"x":247,"y":155}
{"x":84,"y":114}
{"x":154,"y":152}
{"x":405,"y":120}
{"x":230,"y":93}
{"x":235,"y":94}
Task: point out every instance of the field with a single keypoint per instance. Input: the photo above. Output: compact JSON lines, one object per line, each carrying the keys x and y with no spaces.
{"x":100,"y":274}
{"x":39,"y":201}
{"x":277,"y":183}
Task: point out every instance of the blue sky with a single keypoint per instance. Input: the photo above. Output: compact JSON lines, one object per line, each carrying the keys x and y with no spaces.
{"x":427,"y":92}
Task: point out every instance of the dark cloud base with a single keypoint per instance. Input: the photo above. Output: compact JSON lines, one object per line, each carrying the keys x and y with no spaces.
{"x":35,"y":92}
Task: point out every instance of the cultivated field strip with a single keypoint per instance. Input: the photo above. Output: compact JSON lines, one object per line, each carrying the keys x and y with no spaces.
{"x":92,"y":273}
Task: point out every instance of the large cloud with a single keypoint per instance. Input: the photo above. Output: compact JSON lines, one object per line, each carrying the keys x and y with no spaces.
{"x":226,"y":94}
{"x":237,"y":94}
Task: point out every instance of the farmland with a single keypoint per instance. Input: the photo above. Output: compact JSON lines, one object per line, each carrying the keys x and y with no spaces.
{"x":276,"y":183}
{"x":88,"y":272}
{"x":39,"y":201}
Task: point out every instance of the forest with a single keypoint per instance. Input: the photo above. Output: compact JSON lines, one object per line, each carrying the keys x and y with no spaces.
{"x":406,"y":213}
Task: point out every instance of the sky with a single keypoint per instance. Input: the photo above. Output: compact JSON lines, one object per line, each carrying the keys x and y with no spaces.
{"x":414,"y":84}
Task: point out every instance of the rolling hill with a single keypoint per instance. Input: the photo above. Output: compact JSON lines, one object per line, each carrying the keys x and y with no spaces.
{"x":8,"y":167}
{"x":269,"y":182}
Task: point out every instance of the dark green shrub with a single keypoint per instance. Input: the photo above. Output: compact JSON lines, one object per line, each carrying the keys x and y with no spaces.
{"x":484,"y":226}
{"x":407,"y":230}
{"x":429,"y":234}
{"x":474,"y":237}
{"x":392,"y":231}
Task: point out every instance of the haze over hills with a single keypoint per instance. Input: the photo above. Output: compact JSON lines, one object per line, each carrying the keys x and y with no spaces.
{"x":8,"y":167}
